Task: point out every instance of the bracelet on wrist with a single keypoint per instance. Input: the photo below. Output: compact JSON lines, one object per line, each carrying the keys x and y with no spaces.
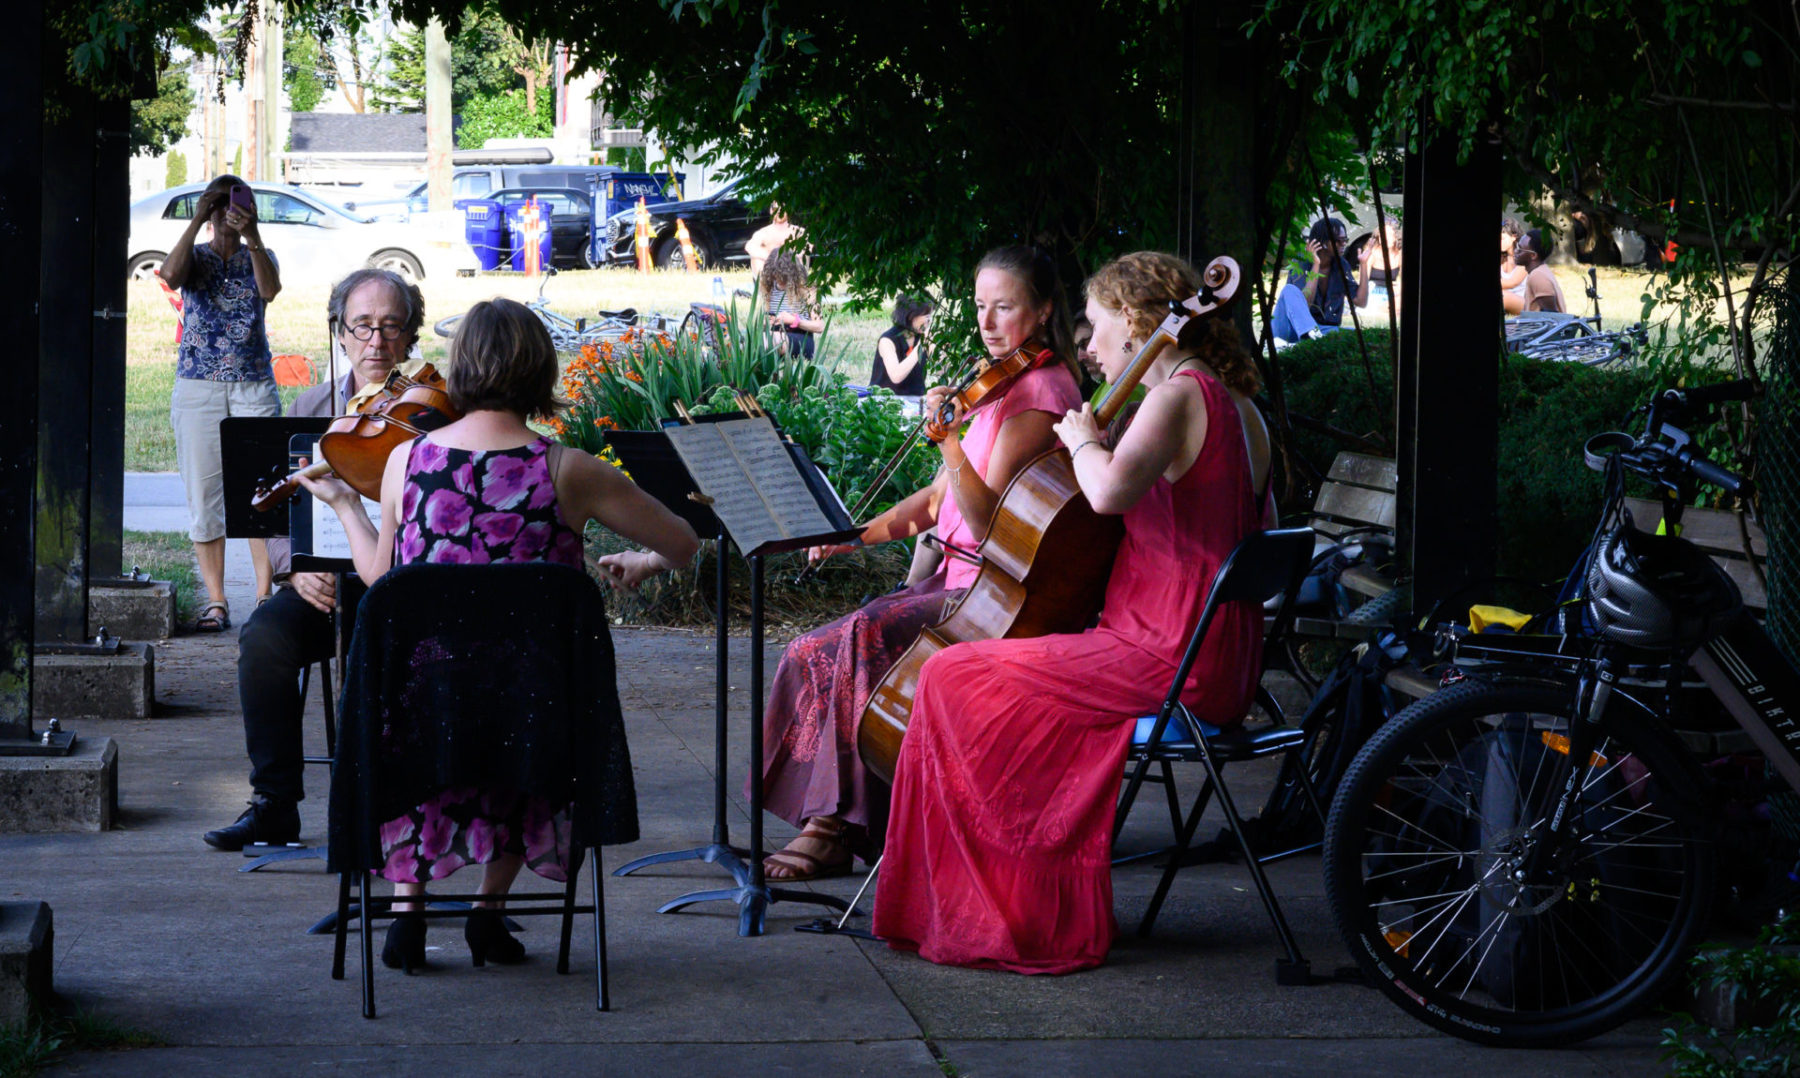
{"x":1079,"y":448}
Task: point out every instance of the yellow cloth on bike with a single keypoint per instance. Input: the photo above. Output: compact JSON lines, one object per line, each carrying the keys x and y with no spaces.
{"x":1481,"y":616}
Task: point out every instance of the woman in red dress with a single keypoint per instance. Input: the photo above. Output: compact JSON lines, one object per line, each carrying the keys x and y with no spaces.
{"x":999,"y":842}
{"x":812,"y":775}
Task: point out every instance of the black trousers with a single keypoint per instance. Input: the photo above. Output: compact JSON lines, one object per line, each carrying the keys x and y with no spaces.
{"x":283,"y":637}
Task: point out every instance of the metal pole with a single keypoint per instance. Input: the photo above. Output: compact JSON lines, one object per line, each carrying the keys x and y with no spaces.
{"x":21,"y":186}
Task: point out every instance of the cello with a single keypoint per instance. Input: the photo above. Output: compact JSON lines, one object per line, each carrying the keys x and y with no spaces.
{"x":1047,"y":555}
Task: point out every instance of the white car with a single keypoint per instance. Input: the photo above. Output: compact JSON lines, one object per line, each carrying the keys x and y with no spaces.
{"x":312,"y":238}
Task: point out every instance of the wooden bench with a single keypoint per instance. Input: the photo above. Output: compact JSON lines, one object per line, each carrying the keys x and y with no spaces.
{"x":1356,"y":497}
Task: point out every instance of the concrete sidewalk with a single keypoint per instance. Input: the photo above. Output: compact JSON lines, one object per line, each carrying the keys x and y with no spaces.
{"x":159,"y":932}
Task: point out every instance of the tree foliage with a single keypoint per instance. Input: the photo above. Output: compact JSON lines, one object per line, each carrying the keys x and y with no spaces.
{"x":302,"y":74}
{"x":908,"y":139}
{"x":161,"y":121}
{"x":1675,"y":118}
{"x":401,"y":86}
{"x":503,"y":115}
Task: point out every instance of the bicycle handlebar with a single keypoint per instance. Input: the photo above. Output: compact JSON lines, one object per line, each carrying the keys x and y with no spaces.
{"x":1741,"y":390}
{"x":1706,"y":471}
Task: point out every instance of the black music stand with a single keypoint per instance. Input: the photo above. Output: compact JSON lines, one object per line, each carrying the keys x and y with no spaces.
{"x":657,"y":469}
{"x":751,"y":891}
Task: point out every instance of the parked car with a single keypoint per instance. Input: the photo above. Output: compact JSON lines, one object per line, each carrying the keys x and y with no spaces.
{"x":719,"y":225}
{"x":312,"y":238}
{"x":571,"y":218}
{"x":479,"y":181}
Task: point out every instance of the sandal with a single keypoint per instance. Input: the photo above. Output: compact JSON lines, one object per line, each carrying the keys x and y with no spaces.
{"x":209,"y":622}
{"x":802,"y":866}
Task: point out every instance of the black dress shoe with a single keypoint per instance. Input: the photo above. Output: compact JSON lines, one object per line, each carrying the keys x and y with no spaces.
{"x":275,"y":822}
{"x":486,"y":933}
{"x":404,"y":947}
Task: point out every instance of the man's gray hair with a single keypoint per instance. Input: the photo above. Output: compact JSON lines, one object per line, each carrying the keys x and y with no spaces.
{"x":407,"y":291}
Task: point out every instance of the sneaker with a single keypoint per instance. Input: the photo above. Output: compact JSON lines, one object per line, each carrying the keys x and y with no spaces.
{"x":274,"y":822}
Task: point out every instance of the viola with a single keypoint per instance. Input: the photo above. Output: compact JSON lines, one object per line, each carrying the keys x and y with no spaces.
{"x":356,"y":447}
{"x":1047,"y":555}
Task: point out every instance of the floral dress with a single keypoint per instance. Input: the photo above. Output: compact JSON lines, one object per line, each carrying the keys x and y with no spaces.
{"x":473,"y":507}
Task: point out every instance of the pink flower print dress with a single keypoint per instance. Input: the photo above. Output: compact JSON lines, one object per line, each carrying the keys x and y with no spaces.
{"x":475,"y":507}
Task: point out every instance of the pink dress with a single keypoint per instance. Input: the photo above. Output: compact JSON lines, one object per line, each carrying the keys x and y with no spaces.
{"x":999,"y":848}
{"x":810,"y":762}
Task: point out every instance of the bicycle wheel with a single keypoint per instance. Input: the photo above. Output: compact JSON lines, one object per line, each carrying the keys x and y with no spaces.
{"x":1454,"y":905}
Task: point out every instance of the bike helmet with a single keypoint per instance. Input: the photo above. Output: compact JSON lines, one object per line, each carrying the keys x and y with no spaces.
{"x":1657,"y":592}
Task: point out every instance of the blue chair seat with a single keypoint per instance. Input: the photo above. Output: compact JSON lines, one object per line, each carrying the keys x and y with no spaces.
{"x":1233,"y":743}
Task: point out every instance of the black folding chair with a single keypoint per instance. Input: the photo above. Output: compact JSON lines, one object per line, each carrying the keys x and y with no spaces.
{"x":487,"y":676}
{"x":1265,"y":565}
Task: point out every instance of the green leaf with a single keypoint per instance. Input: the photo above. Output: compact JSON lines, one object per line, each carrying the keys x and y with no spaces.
{"x":1751,"y":59}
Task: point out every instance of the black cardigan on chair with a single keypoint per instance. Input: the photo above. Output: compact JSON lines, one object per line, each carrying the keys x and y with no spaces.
{"x":485,"y":676}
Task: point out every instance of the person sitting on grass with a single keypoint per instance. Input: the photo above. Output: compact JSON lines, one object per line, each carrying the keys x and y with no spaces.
{"x":1542,"y":292}
{"x":790,"y":305}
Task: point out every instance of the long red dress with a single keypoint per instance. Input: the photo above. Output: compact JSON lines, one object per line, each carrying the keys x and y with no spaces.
{"x":999,"y":843}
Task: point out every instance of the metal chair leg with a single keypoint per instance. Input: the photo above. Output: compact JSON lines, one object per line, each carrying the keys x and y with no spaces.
{"x":365,"y":906}
{"x":342,"y":927}
{"x":605,"y":995}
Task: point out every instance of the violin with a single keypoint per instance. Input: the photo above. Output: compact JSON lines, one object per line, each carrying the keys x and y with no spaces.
{"x":987,"y":375}
{"x":1047,"y":556}
{"x":356,"y":447}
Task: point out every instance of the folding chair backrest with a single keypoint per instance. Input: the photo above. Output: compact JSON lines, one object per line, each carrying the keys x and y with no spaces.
{"x":1264,"y":565}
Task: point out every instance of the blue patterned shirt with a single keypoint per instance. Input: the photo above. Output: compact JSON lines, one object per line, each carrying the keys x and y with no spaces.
{"x":223,"y":335}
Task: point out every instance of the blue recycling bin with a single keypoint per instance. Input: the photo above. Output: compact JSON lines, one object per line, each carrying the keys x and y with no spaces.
{"x":516,"y":229}
{"x":621,"y":190}
{"x":484,"y":227}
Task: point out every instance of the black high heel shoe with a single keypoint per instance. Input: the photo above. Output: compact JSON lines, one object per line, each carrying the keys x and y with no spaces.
{"x":404,"y":948}
{"x":486,"y":933}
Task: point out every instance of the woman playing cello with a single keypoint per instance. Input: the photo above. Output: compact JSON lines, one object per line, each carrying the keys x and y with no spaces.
{"x":812,"y":775}
{"x":998,"y":853}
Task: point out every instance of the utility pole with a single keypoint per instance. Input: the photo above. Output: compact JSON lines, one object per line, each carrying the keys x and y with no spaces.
{"x":438,"y":142}
{"x":269,"y":45}
{"x":253,"y":92}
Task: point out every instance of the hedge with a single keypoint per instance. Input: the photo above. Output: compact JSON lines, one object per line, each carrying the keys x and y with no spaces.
{"x":1548,"y":499}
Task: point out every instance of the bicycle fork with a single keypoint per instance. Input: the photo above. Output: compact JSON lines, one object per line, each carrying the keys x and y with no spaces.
{"x":1554,"y":846}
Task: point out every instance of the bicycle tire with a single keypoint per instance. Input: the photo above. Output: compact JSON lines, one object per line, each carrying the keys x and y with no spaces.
{"x":447,"y":327}
{"x":1420,"y":853}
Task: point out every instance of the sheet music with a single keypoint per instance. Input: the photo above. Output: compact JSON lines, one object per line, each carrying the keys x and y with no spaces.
{"x":757,"y":491}
{"x":329,"y":539}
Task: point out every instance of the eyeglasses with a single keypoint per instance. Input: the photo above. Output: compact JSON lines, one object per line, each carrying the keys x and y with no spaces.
{"x":388,"y":331}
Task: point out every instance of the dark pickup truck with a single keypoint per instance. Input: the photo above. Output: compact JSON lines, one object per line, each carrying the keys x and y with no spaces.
{"x":719,"y":225}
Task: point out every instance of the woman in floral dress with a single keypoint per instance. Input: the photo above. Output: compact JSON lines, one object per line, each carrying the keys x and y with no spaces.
{"x":487,"y":488}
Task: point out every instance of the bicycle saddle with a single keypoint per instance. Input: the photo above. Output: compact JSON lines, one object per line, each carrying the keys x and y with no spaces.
{"x":627,"y":316}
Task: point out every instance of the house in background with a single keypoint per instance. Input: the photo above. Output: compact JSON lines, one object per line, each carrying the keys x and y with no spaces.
{"x":348,"y":153}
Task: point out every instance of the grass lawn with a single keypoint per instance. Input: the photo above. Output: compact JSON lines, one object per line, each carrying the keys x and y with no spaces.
{"x":297,"y":324}
{"x":166,"y":556}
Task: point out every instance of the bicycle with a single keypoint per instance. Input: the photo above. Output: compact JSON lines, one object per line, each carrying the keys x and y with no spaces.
{"x":1591,"y":349}
{"x":1524,"y":857}
{"x":572,"y":334}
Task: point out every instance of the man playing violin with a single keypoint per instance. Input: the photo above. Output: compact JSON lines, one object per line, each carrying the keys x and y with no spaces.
{"x":375,"y":317}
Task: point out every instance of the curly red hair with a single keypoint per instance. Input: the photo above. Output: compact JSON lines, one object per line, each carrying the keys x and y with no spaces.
{"x":1141,"y":285}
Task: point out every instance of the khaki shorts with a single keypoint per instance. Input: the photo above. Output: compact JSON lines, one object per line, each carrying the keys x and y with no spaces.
{"x":195,"y":409}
